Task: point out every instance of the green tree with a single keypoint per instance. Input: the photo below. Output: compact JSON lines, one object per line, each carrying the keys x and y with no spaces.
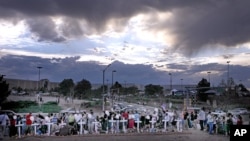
{"x":66,"y":86}
{"x":153,"y":89}
{"x":116,"y":87}
{"x":4,"y":90}
{"x":131,"y":90}
{"x":82,"y":87}
{"x":243,"y":88}
{"x":202,"y":87}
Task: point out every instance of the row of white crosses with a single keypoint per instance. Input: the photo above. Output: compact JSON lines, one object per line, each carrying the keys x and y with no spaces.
{"x":112,"y":121}
{"x":49,"y":124}
{"x":19,"y":125}
{"x":83,"y":122}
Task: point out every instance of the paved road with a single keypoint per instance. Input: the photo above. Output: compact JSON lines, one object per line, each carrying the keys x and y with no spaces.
{"x":191,"y":135}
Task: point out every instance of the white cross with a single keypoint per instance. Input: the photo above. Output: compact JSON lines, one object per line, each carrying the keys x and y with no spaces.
{"x":19,"y":128}
{"x":49,"y":124}
{"x":123,"y":124}
{"x":112,"y":124}
{"x":152,"y":123}
{"x":165,"y":124}
{"x":117,"y":126}
{"x":96,"y":126}
{"x":81,"y":127}
{"x":35,"y":125}
{"x":179,"y":125}
{"x":138,"y":125}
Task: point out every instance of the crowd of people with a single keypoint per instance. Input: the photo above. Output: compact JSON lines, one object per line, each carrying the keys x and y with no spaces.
{"x":158,"y":120}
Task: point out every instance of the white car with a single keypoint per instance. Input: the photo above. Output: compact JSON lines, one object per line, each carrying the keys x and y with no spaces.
{"x":238,"y":111}
{"x":219,"y":113}
{"x":72,"y":110}
{"x":8,"y":112}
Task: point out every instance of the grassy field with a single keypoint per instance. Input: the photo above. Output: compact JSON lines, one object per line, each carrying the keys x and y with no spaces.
{"x":31,"y":106}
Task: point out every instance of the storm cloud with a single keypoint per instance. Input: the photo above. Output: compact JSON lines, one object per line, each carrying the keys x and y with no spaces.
{"x":194,"y":25}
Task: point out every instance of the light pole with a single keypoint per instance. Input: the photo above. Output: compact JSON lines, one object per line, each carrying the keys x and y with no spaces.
{"x":113,"y":77}
{"x":108,"y":91}
{"x":125,"y":87}
{"x":228,"y":74}
{"x":170,"y":79}
{"x":39,"y":67}
{"x":112,"y":87}
{"x":208,"y":76}
{"x":181,"y":85}
{"x":103,"y":90}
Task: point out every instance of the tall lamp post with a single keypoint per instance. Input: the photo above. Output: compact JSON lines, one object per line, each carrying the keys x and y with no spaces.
{"x":113,"y":77}
{"x":170,"y":79}
{"x":228,"y":73}
{"x":39,"y":77}
{"x":228,"y":76}
{"x":113,"y":87}
{"x":208,"y":76}
{"x":103,"y":90}
{"x":181,"y":86}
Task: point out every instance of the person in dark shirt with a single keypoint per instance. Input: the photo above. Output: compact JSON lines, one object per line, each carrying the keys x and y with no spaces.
{"x":239,"y":120}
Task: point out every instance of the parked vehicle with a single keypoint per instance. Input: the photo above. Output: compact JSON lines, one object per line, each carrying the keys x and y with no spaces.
{"x":72,"y":110}
{"x":8,"y":112}
{"x":238,"y":111}
{"x":219,"y":112}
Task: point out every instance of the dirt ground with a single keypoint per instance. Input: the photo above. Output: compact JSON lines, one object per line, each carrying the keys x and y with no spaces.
{"x":191,"y":135}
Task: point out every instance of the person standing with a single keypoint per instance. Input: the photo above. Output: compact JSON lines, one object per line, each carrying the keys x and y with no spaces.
{"x":210,"y":122}
{"x":4,"y":119}
{"x":28,"y":124}
{"x":12,"y":127}
{"x":185,"y":119}
{"x":202,"y":117}
{"x":239,"y":120}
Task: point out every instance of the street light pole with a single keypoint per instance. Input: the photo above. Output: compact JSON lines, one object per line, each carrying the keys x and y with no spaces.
{"x":208,"y":76}
{"x":113,"y":77}
{"x":112,"y":92}
{"x":181,"y":86}
{"x":228,"y":76}
{"x":39,"y":77}
{"x":228,"y":73}
{"x":103,"y":90}
{"x":125,"y":87}
{"x":170,"y":74}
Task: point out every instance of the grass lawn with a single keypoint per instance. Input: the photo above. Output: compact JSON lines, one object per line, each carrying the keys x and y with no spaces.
{"x":31,"y":106}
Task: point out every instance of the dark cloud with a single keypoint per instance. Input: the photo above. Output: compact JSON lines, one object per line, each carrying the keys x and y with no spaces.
{"x":44,"y":29}
{"x":220,"y":23}
{"x":196,"y":23}
{"x":95,"y":12}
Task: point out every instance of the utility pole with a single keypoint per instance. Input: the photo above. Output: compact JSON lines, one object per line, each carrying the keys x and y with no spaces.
{"x":39,"y":77}
{"x":103,"y":90}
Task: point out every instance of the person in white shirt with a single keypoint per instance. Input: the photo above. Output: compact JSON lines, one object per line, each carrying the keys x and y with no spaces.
{"x":210,"y":121}
{"x":4,"y":119}
{"x":78,"y":118}
{"x":202,"y":117}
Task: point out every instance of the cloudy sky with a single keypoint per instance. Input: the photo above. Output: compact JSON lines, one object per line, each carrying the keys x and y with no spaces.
{"x":145,"y":40}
